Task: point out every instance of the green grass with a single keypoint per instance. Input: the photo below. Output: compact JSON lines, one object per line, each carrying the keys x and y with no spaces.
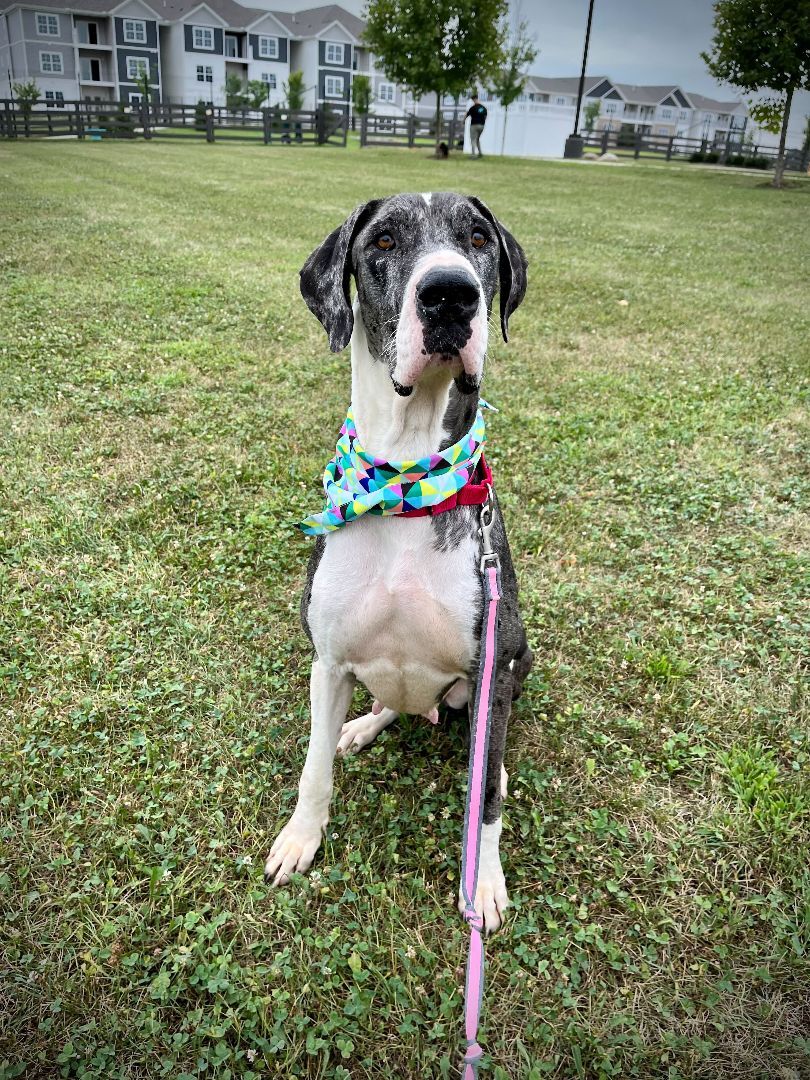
{"x":166,"y":407}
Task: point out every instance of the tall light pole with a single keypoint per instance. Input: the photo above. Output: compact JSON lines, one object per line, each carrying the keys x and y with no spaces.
{"x":573,"y":144}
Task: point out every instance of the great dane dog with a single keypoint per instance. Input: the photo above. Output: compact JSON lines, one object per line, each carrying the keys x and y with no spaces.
{"x":397,"y":602}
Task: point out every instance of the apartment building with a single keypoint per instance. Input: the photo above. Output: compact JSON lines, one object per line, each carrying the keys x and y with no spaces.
{"x":651,"y":110}
{"x":96,"y":49}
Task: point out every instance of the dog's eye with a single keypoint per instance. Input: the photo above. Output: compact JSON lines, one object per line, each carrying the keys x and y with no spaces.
{"x":385,"y":241}
{"x":478,"y":238}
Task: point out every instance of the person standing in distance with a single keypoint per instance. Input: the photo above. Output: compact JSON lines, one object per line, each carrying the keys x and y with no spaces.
{"x":478,"y":117}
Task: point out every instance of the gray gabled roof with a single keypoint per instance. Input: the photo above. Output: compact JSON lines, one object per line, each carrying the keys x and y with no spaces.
{"x":540,"y":84}
{"x":701,"y":102}
{"x":644,"y":95}
{"x":313,"y":21}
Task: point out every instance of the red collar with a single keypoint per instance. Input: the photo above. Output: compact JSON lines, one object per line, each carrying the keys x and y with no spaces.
{"x":472,"y":494}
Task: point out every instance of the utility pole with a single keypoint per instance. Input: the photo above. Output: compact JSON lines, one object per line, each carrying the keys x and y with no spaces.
{"x":574,"y":144}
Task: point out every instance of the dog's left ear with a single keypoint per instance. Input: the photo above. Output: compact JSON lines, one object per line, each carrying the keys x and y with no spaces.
{"x":326,"y":275}
{"x":512,"y":266}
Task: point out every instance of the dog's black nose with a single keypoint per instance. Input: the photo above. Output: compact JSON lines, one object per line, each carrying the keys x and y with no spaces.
{"x":450,"y":295}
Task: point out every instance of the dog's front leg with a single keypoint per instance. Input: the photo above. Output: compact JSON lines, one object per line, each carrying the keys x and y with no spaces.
{"x":491,"y":898}
{"x":294,"y":848}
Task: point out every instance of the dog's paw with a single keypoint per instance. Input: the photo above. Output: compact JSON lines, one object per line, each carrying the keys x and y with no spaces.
{"x":491,"y":901}
{"x":363,"y":730}
{"x":292,"y":852}
{"x":491,"y":898}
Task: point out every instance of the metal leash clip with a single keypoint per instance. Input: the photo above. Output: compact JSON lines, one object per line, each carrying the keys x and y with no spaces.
{"x":487,"y":519}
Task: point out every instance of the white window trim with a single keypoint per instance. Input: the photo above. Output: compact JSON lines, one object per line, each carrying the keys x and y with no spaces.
{"x":51,"y":70}
{"x":201,"y":31}
{"x":334,"y":59}
{"x":47,"y":16}
{"x":270,"y":44}
{"x":334,"y":93}
{"x":137,"y":61}
{"x":389,"y":93}
{"x":134,"y":23}
{"x":269,"y":77}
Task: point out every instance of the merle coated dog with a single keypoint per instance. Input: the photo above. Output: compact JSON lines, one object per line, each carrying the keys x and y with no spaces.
{"x":397,"y":602}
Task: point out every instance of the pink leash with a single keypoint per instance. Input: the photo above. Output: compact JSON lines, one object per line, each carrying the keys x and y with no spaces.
{"x":474,"y":813}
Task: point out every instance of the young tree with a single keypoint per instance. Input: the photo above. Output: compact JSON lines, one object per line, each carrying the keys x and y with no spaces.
{"x":258,"y":91}
{"x":763,"y":45}
{"x":294,"y":91}
{"x":591,"y":114}
{"x":27,"y":94}
{"x":508,"y":81}
{"x":235,"y":96}
{"x":438,"y":46}
{"x":144,"y":83}
{"x":361,"y":96}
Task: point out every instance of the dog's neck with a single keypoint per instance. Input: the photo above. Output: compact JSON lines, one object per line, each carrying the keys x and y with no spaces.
{"x":434,"y":415}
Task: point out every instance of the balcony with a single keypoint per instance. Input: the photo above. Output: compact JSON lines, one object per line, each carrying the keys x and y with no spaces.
{"x":235,"y":48}
{"x":91,"y":34}
{"x":93,"y":72}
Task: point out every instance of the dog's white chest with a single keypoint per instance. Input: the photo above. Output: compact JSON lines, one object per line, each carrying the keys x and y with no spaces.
{"x":396,"y":612}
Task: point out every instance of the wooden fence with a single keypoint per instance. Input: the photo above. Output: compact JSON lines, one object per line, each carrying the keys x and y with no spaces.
{"x":410,"y":131}
{"x":158,"y":120}
{"x":719,"y":151}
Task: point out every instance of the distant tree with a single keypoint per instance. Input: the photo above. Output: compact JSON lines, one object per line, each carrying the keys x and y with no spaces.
{"x":258,"y":92}
{"x":437,"y":46}
{"x":508,"y":81}
{"x":591,"y":114}
{"x":763,"y":45}
{"x":27,"y":94}
{"x":143,"y":81}
{"x":294,"y":90}
{"x":199,"y":115}
{"x":361,"y":95}
{"x":235,"y":96}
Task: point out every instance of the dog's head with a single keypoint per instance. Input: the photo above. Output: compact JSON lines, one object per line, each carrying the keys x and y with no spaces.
{"x":427,"y":268}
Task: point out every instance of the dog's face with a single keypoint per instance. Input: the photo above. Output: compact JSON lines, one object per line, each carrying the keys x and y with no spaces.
{"x":427,"y":268}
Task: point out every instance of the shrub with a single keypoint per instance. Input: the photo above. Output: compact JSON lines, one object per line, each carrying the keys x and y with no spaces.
{"x":697,"y":155}
{"x":711,"y":157}
{"x":737,"y":160}
{"x":199,"y":115}
{"x":757,"y":162}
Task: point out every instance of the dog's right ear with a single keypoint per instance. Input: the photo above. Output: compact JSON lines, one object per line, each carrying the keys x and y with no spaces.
{"x":326,"y":276}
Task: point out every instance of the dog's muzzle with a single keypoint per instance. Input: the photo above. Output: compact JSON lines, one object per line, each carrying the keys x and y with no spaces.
{"x":447,"y":301}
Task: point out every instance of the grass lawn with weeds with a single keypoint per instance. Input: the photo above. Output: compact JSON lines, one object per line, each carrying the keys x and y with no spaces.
{"x":167,"y":405}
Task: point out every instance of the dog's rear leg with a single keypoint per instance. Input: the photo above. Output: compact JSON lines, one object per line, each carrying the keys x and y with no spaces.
{"x":363,"y":730}
{"x":295,"y":846}
{"x":521,"y":665}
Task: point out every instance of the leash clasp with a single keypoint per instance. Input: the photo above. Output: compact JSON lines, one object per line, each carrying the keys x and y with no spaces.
{"x":487,"y":519}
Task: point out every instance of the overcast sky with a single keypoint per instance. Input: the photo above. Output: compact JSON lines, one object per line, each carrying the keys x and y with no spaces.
{"x":633,"y":41}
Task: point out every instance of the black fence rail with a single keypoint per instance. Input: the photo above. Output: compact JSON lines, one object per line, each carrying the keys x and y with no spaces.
{"x":410,"y":131}
{"x":720,"y":151}
{"x":163,"y":120}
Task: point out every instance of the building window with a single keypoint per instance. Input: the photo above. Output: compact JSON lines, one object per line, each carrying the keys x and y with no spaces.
{"x":135,"y":31}
{"x":334,"y":52}
{"x":560,"y":101}
{"x":205,"y":73}
{"x":666,"y":114}
{"x":268,"y":48}
{"x":269,"y":78}
{"x":203,"y":38}
{"x":683,"y":115}
{"x":48,"y":25}
{"x":57,"y":97}
{"x":136,"y":99}
{"x":50,"y":63}
{"x":610,"y":107}
{"x":136,"y":67}
{"x":334,"y":86}
{"x":663,"y":131}
{"x":386,"y":91}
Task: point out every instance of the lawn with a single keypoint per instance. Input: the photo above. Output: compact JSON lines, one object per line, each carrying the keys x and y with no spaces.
{"x":167,"y":404}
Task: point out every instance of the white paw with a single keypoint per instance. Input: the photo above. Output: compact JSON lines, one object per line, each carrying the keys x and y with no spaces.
{"x":491,"y":901}
{"x":504,"y":782}
{"x":491,"y":898}
{"x":292,"y":852}
{"x":363,"y":730}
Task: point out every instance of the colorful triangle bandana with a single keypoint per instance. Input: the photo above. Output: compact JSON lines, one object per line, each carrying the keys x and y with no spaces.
{"x":358,"y":483}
